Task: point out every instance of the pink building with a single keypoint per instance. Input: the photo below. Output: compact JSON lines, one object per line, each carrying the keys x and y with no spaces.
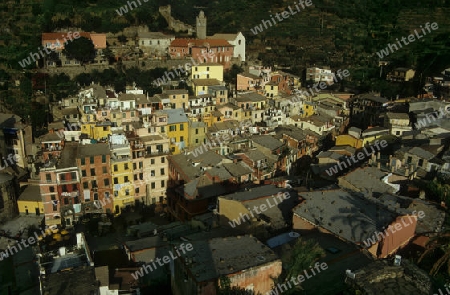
{"x":203,"y":50}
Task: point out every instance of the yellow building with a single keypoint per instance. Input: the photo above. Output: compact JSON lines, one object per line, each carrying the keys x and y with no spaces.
{"x":346,"y":139}
{"x":121,"y":172}
{"x":250,"y":101}
{"x":30,"y":201}
{"x":123,"y":188}
{"x":200,"y":86}
{"x":271,"y":89}
{"x":89,"y":113}
{"x":308,"y":109}
{"x":88,"y":128}
{"x":179,"y":98}
{"x":97,"y":130}
{"x":102,"y":130}
{"x":197,"y":133}
{"x":208,"y":71}
{"x":371,"y":134}
{"x":116,"y":117}
{"x":246,"y":115}
{"x":211,"y":118}
{"x":175,"y":124}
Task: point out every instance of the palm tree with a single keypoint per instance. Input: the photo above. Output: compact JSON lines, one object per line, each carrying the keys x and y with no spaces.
{"x":300,"y":258}
{"x":438,"y":245}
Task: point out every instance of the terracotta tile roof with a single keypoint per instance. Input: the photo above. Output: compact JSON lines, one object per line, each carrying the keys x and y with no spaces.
{"x":99,"y":40}
{"x":154,"y":35}
{"x":228,"y":37}
{"x":205,"y":82}
{"x":61,"y":35}
{"x":182,"y":42}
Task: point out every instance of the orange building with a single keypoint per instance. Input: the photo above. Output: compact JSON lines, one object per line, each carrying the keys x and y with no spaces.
{"x":355,"y":219}
{"x":248,"y":81}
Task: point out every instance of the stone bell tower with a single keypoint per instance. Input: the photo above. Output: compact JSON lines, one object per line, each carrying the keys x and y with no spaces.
{"x":201,"y":25}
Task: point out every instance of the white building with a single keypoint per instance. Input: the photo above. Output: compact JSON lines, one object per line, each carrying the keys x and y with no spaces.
{"x":154,"y":43}
{"x":398,"y":123}
{"x":237,"y":40}
{"x":127,"y":101}
{"x":319,"y":75}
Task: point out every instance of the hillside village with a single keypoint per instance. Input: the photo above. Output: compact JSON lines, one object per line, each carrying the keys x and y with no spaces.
{"x":243,"y":175}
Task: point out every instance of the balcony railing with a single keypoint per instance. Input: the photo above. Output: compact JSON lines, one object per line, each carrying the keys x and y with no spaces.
{"x":70,"y":194}
{"x":66,"y":181}
{"x":52,"y":148}
{"x":156,"y":153}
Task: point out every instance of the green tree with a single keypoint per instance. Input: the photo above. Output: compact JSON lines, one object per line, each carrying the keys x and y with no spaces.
{"x":81,"y":49}
{"x":438,"y":190}
{"x":230,"y":76}
{"x":302,"y":256}
{"x":59,"y":86}
{"x":122,"y":39}
{"x":26,"y":88}
{"x":119,"y":84}
{"x":225,"y":288}
{"x":48,"y":5}
{"x":4,"y":79}
{"x":436,"y":256}
{"x":107,"y":52}
{"x":53,"y":56}
{"x":107,"y":77}
{"x":36,"y":9}
{"x":84,"y":79}
{"x":91,"y":23}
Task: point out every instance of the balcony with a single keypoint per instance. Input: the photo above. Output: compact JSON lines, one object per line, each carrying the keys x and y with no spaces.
{"x":118,"y":187}
{"x":68,"y":181}
{"x":70,"y":194}
{"x":157,"y":153}
{"x":52,"y":148}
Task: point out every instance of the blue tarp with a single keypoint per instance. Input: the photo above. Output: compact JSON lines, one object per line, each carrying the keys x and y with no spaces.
{"x":282,"y":239}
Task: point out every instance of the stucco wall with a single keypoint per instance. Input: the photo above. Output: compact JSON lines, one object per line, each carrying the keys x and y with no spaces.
{"x":257,"y":278}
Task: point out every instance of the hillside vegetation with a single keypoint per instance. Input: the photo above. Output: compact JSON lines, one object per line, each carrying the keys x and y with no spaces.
{"x":338,"y":33}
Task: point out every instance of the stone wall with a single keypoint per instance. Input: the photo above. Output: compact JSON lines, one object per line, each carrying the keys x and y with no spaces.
{"x":382,"y":277}
{"x":142,"y":64}
{"x":174,"y":24}
{"x":8,"y":195}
